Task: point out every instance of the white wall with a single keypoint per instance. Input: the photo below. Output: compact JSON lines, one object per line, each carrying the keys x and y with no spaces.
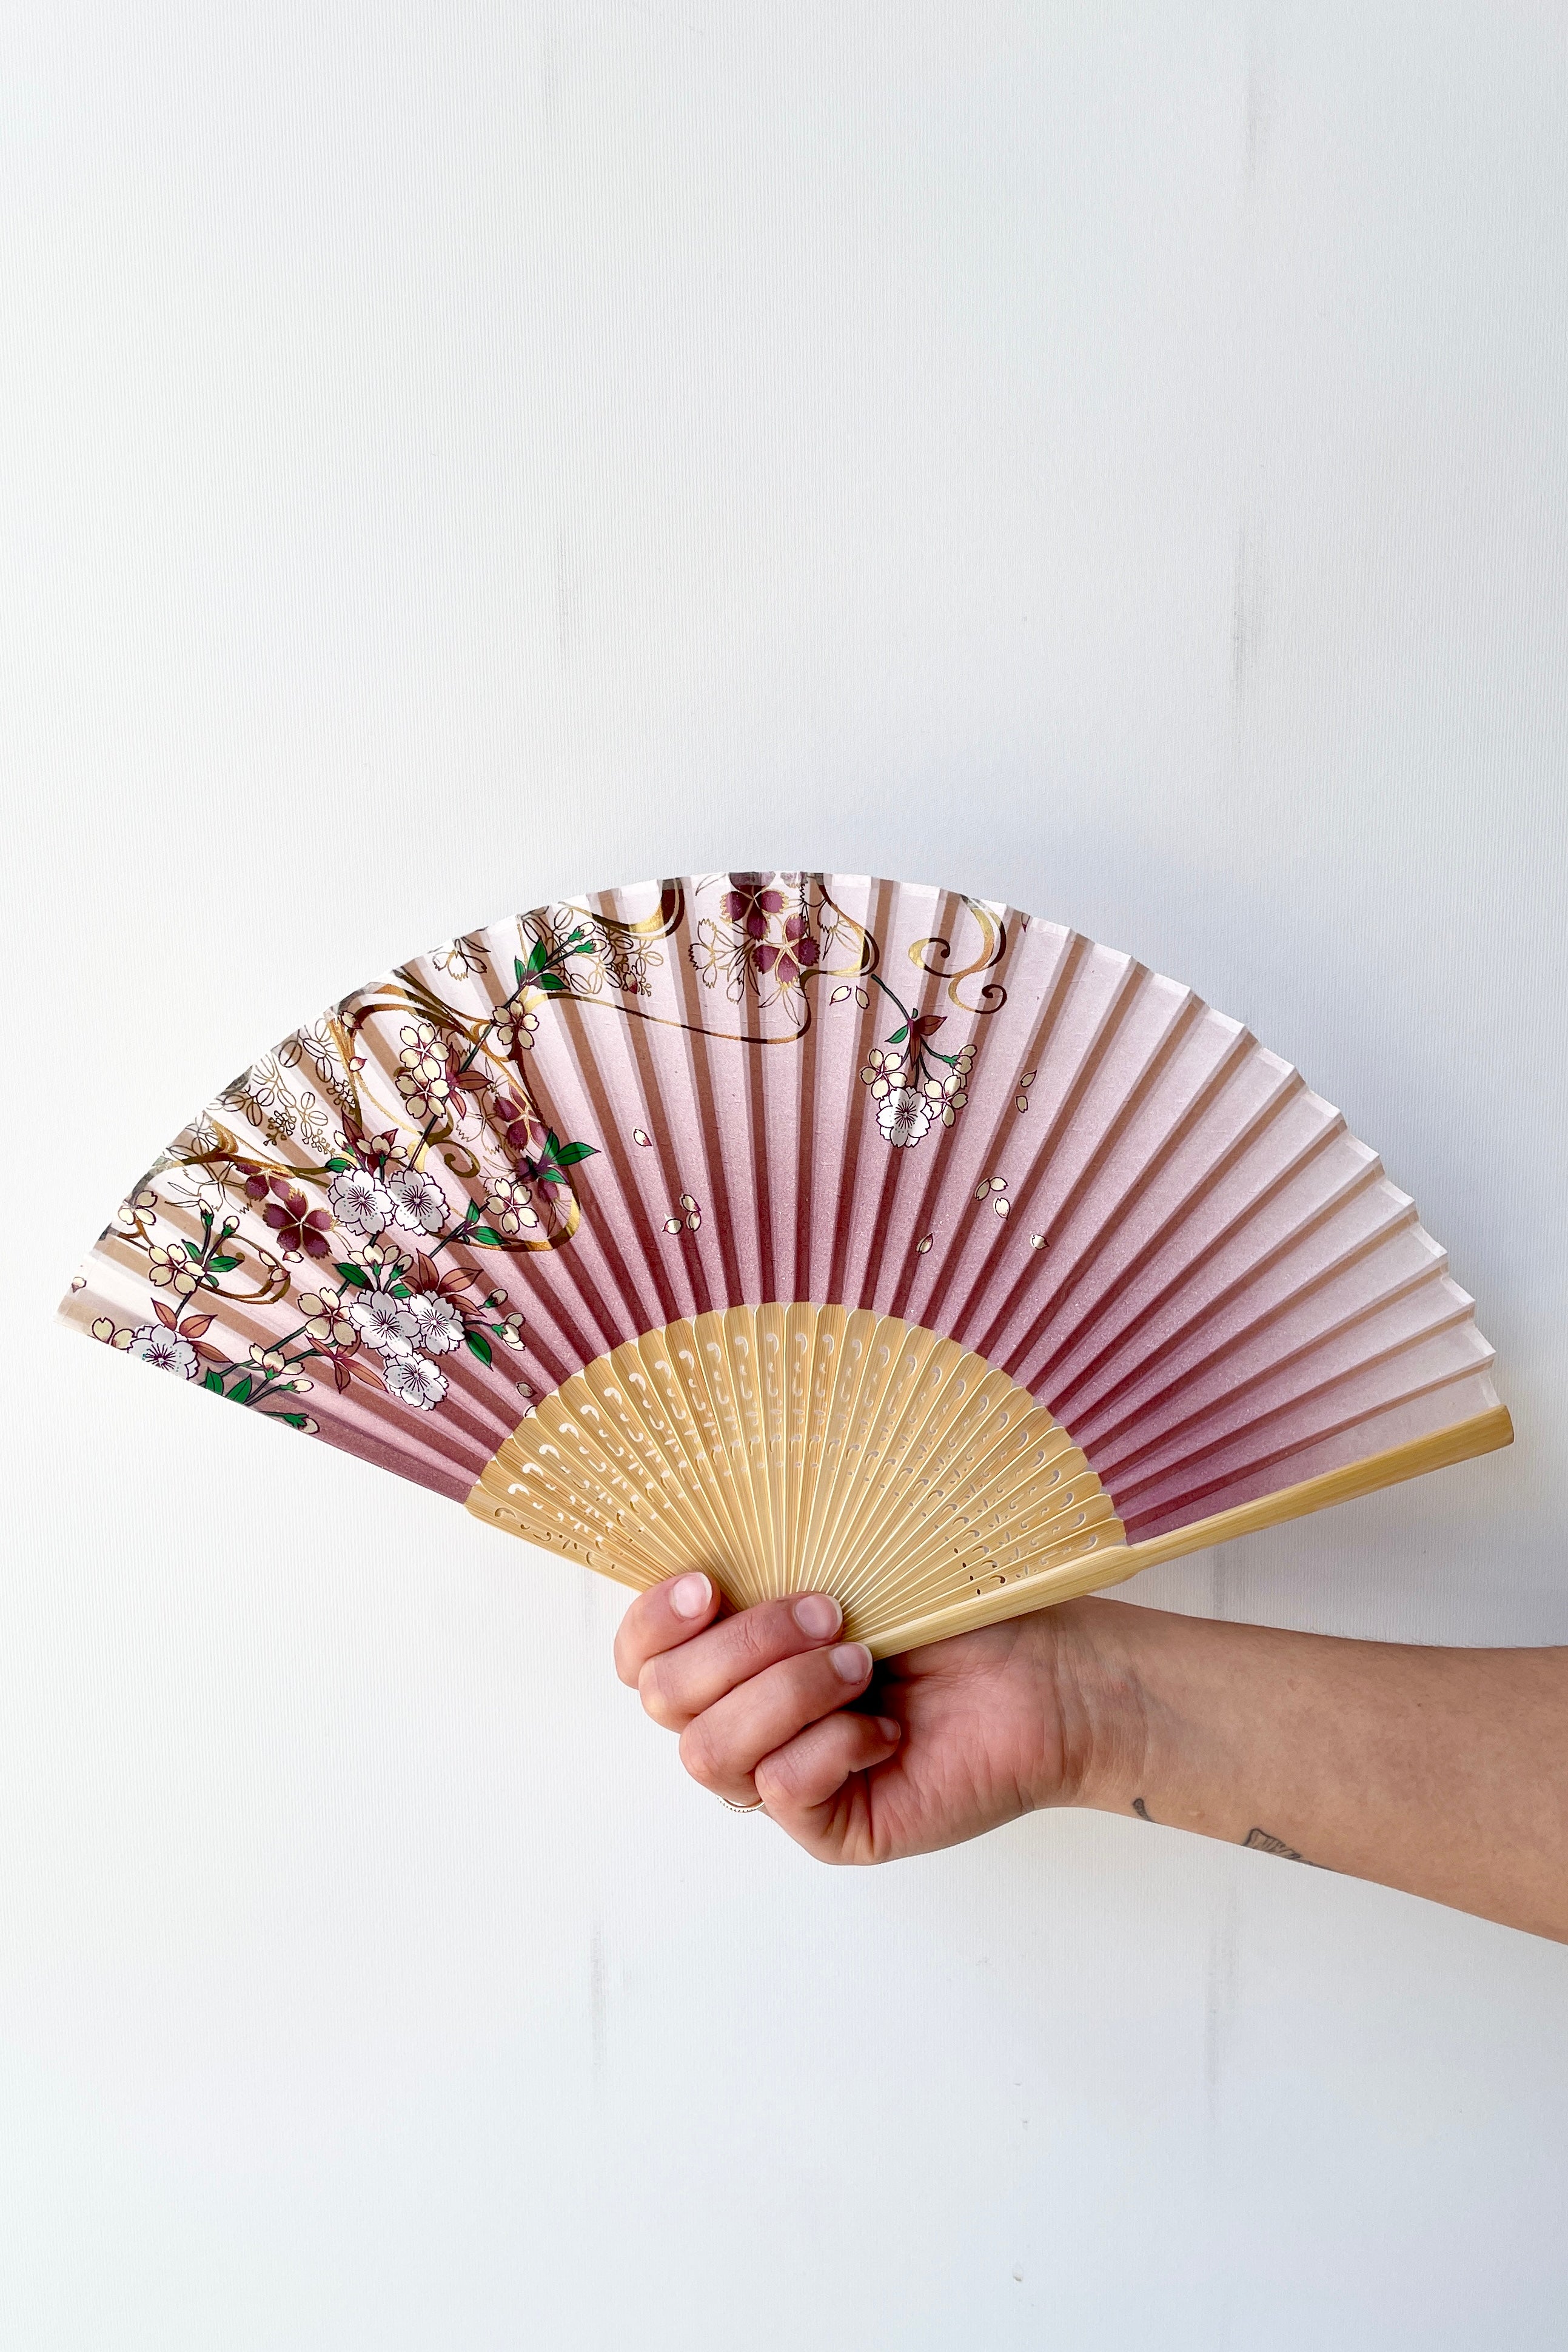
{"x":1109,"y":457}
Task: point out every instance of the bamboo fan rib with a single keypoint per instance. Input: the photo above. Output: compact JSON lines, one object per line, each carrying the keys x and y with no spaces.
{"x":810,"y":1229}
{"x":791,"y":1448}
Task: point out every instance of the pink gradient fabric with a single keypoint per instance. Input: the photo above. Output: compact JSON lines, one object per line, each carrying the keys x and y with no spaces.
{"x":694,"y":1094}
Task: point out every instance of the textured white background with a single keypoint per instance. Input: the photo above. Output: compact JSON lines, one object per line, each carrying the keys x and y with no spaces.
{"x":1107,"y":457}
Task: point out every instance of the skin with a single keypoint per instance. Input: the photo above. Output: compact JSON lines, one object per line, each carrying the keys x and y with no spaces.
{"x":1444,"y":1772}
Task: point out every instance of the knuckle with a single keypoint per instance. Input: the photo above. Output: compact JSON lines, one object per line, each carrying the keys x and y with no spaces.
{"x":656,"y":1698}
{"x":768,"y":1634}
{"x":755,"y":1637}
{"x":630,"y":1642}
{"x":696,"y":1754}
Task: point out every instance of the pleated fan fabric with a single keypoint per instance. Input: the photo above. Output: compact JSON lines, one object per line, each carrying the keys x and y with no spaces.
{"x":409,"y":1224}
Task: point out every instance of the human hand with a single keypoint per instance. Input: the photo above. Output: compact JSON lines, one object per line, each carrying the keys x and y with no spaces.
{"x":860,"y":1766}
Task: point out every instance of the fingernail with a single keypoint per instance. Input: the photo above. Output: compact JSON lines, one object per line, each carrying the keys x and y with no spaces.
{"x":690,"y":1595}
{"x":888,"y":1729}
{"x":818,"y":1614}
{"x":851,"y":1661}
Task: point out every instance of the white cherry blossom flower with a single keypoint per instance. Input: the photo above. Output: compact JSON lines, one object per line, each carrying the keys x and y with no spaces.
{"x":903,"y":1117}
{"x":440,"y":1324}
{"x":328,"y":1319}
{"x":417,"y":1383}
{"x":384,"y":1323}
{"x":885,"y":1073}
{"x":422,"y":1077}
{"x":173,"y":1268}
{"x":516,"y":1028}
{"x":152,"y":1344}
{"x":359,"y":1204}
{"x":507,"y":1205}
{"x":419,"y":1202}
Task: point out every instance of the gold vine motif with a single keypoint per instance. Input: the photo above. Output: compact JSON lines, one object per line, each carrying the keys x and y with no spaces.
{"x":931,"y":955}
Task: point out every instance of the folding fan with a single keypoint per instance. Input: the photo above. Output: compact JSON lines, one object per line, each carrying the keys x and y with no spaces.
{"x":816,"y":1231}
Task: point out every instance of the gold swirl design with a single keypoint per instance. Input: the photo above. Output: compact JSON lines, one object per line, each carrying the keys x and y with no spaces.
{"x":931,"y":955}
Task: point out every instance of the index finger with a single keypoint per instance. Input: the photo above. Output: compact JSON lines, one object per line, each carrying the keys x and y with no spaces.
{"x":661,"y":1618}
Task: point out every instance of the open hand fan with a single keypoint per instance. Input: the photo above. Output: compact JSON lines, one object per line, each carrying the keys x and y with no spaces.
{"x":814,"y":1231}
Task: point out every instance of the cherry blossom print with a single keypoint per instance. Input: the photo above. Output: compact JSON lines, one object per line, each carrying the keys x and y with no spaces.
{"x":384,"y":1323}
{"x":772,"y":935}
{"x":418,"y":1203}
{"x":515,"y":1031}
{"x":301,"y":1230}
{"x":327,"y":1319}
{"x":750,"y":902}
{"x":417,"y":1383}
{"x":360,"y":1203}
{"x":509,"y":1207}
{"x":425,"y":1078}
{"x":171,"y":1269}
{"x":331,"y":1218}
{"x":903,"y":1117}
{"x":164,"y":1350}
{"x":438,"y":1323}
{"x":792,"y":957}
{"x":910,"y":1064}
{"x":461,"y":959}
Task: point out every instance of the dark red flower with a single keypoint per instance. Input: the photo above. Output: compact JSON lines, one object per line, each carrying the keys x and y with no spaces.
{"x":297,"y":1224}
{"x":517,"y":1126}
{"x":795,"y":958}
{"x":255,"y":1181}
{"x":748,"y":902}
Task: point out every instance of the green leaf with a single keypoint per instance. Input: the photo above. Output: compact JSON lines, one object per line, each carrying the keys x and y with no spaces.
{"x":354,"y":1276}
{"x":551,"y":1176}
{"x":519,"y":966}
{"x":294,"y":1420}
{"x":214,"y":1380}
{"x":569,"y":1154}
{"x":240,"y":1393}
{"x":552,"y":984}
{"x":478,"y":1345}
{"x":539,"y":958}
{"x":485,"y":1238}
{"x":399,"y":1290}
{"x":898,"y":1036}
{"x":552,"y":1144}
{"x":222,"y":1264}
{"x":336,"y":1167}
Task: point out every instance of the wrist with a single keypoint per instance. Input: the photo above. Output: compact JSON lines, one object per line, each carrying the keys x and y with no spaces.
{"x":1102,"y":1703}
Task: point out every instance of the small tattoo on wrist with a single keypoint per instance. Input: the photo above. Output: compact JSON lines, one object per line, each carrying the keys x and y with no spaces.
{"x":1142,"y":1810}
{"x":1265,"y":1842}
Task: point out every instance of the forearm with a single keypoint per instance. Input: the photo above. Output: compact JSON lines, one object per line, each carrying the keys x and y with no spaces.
{"x":1444,"y":1772}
